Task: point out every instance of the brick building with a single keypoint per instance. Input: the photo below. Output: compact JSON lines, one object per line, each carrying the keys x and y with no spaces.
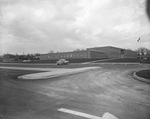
{"x":89,"y":53}
{"x":114,"y":52}
{"x":73,"y":55}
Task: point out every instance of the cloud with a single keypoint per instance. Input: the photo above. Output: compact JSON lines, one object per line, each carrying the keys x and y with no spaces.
{"x":128,"y":27}
{"x":40,"y":26}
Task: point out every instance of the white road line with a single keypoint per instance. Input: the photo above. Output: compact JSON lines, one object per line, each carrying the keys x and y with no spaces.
{"x":89,"y":116}
{"x":81,"y":114}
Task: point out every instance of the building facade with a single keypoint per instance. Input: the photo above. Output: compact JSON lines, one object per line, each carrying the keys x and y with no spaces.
{"x":73,"y":55}
{"x":114,"y":52}
{"x":97,"y":52}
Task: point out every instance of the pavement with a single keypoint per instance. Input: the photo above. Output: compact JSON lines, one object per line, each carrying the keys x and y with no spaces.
{"x":49,"y":72}
{"x":108,"y":90}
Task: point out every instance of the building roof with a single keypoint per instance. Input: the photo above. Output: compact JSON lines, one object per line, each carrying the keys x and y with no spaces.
{"x":105,"y":47}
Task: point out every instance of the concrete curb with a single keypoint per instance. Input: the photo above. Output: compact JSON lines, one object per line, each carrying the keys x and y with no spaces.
{"x":140,"y":78}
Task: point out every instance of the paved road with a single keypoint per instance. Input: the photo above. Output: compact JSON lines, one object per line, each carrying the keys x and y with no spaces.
{"x":109,"y":89}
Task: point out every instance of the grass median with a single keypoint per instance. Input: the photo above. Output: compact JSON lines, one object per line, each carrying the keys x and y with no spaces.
{"x":144,"y":74}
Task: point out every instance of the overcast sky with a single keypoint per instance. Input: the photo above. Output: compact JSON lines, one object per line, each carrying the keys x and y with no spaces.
{"x":32,"y":26}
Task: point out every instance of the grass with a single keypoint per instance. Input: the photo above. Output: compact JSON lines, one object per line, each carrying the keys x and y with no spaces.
{"x":122,"y":60}
{"x":79,"y":60}
{"x":82,"y":60}
{"x":144,"y":74}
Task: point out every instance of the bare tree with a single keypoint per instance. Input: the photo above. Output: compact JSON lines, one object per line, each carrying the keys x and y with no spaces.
{"x":143,"y":51}
{"x":51,"y":51}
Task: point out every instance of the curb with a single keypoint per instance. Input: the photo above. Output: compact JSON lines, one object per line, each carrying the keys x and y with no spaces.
{"x":140,"y":78}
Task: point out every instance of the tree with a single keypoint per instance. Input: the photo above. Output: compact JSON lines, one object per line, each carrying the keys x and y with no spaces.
{"x":51,"y":51}
{"x":79,"y":50}
{"x":143,"y":51}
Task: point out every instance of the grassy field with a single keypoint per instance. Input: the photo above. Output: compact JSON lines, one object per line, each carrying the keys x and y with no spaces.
{"x":79,"y":60}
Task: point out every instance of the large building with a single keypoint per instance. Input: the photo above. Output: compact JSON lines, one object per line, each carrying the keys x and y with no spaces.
{"x":89,"y":53}
{"x":73,"y":55}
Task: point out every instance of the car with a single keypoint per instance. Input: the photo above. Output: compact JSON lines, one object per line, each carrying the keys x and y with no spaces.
{"x":145,"y":60}
{"x":26,"y":60}
{"x":62,"y":61}
{"x":4,"y":61}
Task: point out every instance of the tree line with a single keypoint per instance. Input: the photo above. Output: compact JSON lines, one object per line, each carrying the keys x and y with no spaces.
{"x":22,"y":57}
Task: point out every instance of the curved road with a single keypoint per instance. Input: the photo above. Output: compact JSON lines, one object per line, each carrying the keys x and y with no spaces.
{"x":109,"y":89}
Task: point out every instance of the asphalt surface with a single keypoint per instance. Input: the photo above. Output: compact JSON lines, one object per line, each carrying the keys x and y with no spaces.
{"x":108,"y":89}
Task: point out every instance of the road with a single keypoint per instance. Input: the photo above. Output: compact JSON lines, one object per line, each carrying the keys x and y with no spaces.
{"x":108,"y":89}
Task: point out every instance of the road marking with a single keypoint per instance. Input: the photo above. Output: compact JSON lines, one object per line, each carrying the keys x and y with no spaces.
{"x":89,"y":116}
{"x":81,"y":114}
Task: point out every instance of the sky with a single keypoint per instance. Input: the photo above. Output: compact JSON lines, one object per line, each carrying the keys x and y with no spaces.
{"x":38,"y":26}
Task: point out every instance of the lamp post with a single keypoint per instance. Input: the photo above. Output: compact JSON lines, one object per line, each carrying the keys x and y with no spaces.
{"x":140,"y":50}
